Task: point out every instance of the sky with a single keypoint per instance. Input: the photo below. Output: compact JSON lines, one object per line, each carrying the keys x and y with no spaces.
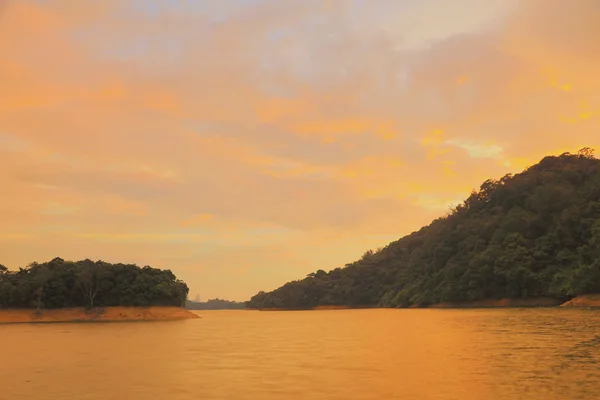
{"x":246,"y":143}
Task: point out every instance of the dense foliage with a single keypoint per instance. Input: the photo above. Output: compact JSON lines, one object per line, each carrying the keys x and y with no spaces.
{"x":215,"y":304}
{"x":533,"y":234}
{"x":60,"y":283}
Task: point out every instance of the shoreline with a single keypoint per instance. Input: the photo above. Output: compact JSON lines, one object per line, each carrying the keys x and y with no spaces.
{"x":98,"y":314}
{"x":171,"y":313}
{"x":583,"y":301}
{"x":503,"y":303}
{"x":317,"y":308}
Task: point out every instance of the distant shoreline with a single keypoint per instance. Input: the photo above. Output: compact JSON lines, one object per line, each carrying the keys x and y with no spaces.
{"x":584,"y":301}
{"x":100,"y":314}
{"x":170,"y":313}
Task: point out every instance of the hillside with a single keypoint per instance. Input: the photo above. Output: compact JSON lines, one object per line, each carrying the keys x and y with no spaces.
{"x":534,"y":234}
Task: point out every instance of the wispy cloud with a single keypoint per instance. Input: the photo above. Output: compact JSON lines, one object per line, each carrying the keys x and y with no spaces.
{"x":243,"y":143}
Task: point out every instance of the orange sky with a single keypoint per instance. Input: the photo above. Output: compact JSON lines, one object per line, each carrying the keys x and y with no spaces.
{"x":245,"y":143}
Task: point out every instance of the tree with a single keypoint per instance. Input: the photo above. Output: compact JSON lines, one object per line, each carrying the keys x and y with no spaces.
{"x":89,"y":280}
{"x":42,"y":274}
{"x":587,"y":152}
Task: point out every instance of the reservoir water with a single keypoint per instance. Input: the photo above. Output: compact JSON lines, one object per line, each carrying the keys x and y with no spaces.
{"x":501,"y":354}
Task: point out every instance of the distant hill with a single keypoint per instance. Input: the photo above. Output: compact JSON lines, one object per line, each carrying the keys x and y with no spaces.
{"x":533,"y":234}
{"x":215,"y":304}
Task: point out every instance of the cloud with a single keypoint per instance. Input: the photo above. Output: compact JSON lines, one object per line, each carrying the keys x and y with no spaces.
{"x":246,"y":143}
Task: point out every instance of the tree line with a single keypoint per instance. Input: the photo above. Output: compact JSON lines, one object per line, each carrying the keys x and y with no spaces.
{"x":215,"y":304}
{"x":59,"y":283}
{"x":536,"y":233}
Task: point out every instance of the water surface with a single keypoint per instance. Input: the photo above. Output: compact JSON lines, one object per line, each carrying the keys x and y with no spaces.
{"x":501,"y":354}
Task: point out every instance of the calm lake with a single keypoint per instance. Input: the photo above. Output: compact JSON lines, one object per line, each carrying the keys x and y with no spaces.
{"x":499,"y":354}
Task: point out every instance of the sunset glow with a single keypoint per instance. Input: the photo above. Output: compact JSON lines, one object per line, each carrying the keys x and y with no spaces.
{"x":245,"y":143}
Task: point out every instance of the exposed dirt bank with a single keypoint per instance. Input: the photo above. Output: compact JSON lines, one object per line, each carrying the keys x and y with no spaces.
{"x":484,"y":303}
{"x":587,"y":300}
{"x":317,"y":308}
{"x":331,"y":308}
{"x":105,"y":314}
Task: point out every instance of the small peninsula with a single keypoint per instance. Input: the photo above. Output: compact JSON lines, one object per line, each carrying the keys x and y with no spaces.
{"x":88,"y":291}
{"x":532,"y":239}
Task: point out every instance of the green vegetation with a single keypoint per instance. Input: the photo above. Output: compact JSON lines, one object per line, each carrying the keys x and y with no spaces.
{"x":215,"y":304}
{"x":59,"y":283}
{"x":533,"y":234}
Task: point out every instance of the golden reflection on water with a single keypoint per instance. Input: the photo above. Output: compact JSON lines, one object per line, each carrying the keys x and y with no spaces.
{"x":343,"y":354}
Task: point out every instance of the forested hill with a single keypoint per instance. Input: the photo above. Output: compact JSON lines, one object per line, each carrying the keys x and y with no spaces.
{"x":60,"y":283}
{"x":536,"y":233}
